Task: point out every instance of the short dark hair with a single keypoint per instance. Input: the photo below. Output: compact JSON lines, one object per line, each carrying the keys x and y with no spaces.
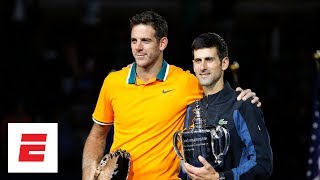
{"x":208,"y":40}
{"x":153,"y":19}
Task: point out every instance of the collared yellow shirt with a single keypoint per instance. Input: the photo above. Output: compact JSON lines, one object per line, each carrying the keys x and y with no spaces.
{"x":146,"y":115}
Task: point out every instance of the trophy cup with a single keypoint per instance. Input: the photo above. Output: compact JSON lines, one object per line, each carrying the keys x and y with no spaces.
{"x":211,"y":143}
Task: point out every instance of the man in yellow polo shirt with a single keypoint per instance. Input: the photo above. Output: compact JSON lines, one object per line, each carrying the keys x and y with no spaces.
{"x":145,"y":103}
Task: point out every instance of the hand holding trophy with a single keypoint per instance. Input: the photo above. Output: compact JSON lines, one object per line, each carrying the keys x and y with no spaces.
{"x":211,"y":143}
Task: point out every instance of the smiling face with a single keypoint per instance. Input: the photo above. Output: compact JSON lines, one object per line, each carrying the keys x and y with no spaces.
{"x":208,"y":68}
{"x":146,"y":49}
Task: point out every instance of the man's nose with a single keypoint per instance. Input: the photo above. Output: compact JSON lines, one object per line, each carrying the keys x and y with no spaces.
{"x":203,"y":65}
{"x":139,"y":46}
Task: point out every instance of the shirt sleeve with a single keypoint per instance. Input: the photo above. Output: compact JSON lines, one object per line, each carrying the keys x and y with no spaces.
{"x":193,"y":89}
{"x":257,"y":158}
{"x":103,"y":112}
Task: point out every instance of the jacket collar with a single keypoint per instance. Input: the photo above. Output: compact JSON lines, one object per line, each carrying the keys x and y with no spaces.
{"x":220,"y":97}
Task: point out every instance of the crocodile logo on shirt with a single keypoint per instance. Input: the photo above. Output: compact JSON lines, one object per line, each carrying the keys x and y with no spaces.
{"x":222,"y":122}
{"x":166,"y":91}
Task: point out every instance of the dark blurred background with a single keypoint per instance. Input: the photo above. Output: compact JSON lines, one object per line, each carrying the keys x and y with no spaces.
{"x":56,"y":53}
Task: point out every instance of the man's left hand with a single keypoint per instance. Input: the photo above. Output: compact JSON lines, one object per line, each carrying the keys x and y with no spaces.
{"x":247,"y":93}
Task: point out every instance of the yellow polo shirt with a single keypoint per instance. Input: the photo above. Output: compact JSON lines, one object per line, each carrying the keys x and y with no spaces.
{"x":146,"y":115}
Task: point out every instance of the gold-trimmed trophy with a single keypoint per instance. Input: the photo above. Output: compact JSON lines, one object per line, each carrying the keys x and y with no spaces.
{"x":211,"y":143}
{"x":113,"y":166}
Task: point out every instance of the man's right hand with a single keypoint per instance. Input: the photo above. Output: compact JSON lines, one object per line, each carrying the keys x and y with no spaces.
{"x":93,"y":150}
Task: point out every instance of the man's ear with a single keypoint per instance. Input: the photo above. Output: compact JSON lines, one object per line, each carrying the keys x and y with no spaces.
{"x":163,"y":43}
{"x":225,"y":63}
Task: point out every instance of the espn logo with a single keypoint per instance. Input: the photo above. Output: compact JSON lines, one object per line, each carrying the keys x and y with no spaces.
{"x":25,"y":149}
{"x":32,"y":147}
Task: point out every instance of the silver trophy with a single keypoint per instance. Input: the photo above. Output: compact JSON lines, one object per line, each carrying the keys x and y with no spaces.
{"x":212,"y":143}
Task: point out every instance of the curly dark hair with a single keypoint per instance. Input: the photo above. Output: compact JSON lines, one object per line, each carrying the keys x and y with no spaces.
{"x":153,"y":19}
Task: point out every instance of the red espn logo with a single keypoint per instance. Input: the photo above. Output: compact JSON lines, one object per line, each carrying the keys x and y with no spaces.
{"x":32,"y":147}
{"x":25,"y":149}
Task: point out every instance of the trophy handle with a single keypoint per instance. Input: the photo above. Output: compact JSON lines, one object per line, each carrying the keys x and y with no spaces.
{"x":176,"y":138}
{"x":215,"y":135}
{"x":227,"y":140}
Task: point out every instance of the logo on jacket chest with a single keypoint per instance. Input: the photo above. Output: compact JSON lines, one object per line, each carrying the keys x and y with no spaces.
{"x":222,"y":122}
